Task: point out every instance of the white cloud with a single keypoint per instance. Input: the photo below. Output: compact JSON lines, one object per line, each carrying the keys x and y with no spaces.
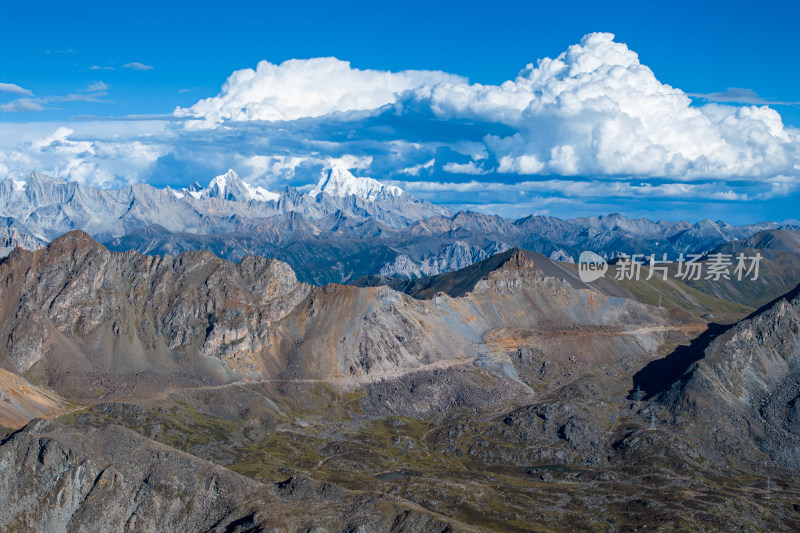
{"x":464,"y":168}
{"x":13,"y":88}
{"x":740,"y":96}
{"x":112,"y":158}
{"x":22,"y":104}
{"x":98,"y":67}
{"x":96,"y":86}
{"x":596,"y":110}
{"x":350,"y":162}
{"x":135,"y":65}
{"x":265,"y":170}
{"x":77,"y":97}
{"x":523,"y":164}
{"x":92,"y":93}
{"x":308,"y":88}
{"x":594,"y":113}
{"x":586,"y":189}
{"x":416,"y":169}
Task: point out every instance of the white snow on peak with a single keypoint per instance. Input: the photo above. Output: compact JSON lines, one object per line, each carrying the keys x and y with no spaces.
{"x":18,"y":185}
{"x":231,"y":181}
{"x":216,"y":188}
{"x":260,"y":193}
{"x":338,"y":181}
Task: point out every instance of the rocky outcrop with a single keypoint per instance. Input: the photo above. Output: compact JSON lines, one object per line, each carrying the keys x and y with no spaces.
{"x":453,"y":257}
{"x":97,"y":324}
{"x":56,"y":477}
{"x":11,"y":237}
{"x":350,"y":332}
{"x":77,"y":308}
{"x":746,"y":387}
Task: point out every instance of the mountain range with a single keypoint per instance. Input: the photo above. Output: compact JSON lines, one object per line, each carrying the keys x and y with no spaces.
{"x":345,"y":228}
{"x":145,"y":392}
{"x":229,"y":358}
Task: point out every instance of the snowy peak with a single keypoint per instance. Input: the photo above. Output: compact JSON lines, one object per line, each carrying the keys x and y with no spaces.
{"x":229,"y":186}
{"x":219,"y":185}
{"x":260,"y":193}
{"x":339,"y":182}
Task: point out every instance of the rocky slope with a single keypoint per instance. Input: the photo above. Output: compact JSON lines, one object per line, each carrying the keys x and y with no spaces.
{"x":747,"y":384}
{"x":671,"y":294}
{"x":344,"y":248}
{"x":209,"y":395}
{"x":347,"y":331}
{"x":89,"y":322}
{"x":20,"y":402}
{"x":59,"y":477}
{"x":778,"y":272}
{"x":75,"y":314}
{"x":453,"y":257}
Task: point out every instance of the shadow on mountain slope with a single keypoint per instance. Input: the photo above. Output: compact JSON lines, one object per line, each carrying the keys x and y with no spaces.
{"x":660,"y":374}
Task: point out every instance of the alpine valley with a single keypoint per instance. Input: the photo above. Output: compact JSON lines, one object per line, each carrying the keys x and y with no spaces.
{"x":354,"y":359}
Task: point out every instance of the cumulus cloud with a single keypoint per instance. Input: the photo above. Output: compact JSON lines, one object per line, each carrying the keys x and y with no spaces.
{"x":13,"y":88}
{"x":593,"y":110}
{"x":268,"y":170}
{"x":308,"y":88}
{"x":596,"y":110}
{"x":592,"y":123}
{"x":135,"y":65}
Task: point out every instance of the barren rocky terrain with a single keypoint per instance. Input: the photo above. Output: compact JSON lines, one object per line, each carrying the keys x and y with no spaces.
{"x":191,"y":393}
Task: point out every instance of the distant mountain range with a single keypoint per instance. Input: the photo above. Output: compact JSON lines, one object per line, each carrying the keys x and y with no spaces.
{"x":347,"y":227}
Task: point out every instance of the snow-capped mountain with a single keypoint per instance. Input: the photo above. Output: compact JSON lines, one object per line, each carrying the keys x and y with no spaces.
{"x":346,"y":228}
{"x":340,"y":182}
{"x":229,"y":187}
{"x":43,"y":208}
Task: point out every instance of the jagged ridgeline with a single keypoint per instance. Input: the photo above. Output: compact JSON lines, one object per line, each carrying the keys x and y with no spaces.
{"x":195,"y":393}
{"x":347,"y":227}
{"x":77,"y":317}
{"x":466,"y":379}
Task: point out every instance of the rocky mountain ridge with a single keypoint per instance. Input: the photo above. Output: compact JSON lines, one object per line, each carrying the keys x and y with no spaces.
{"x":76,"y":314}
{"x":350,"y":226}
{"x":191,"y":392}
{"x":749,"y":377}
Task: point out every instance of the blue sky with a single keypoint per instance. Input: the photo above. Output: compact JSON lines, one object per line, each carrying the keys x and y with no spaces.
{"x":114,"y":60}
